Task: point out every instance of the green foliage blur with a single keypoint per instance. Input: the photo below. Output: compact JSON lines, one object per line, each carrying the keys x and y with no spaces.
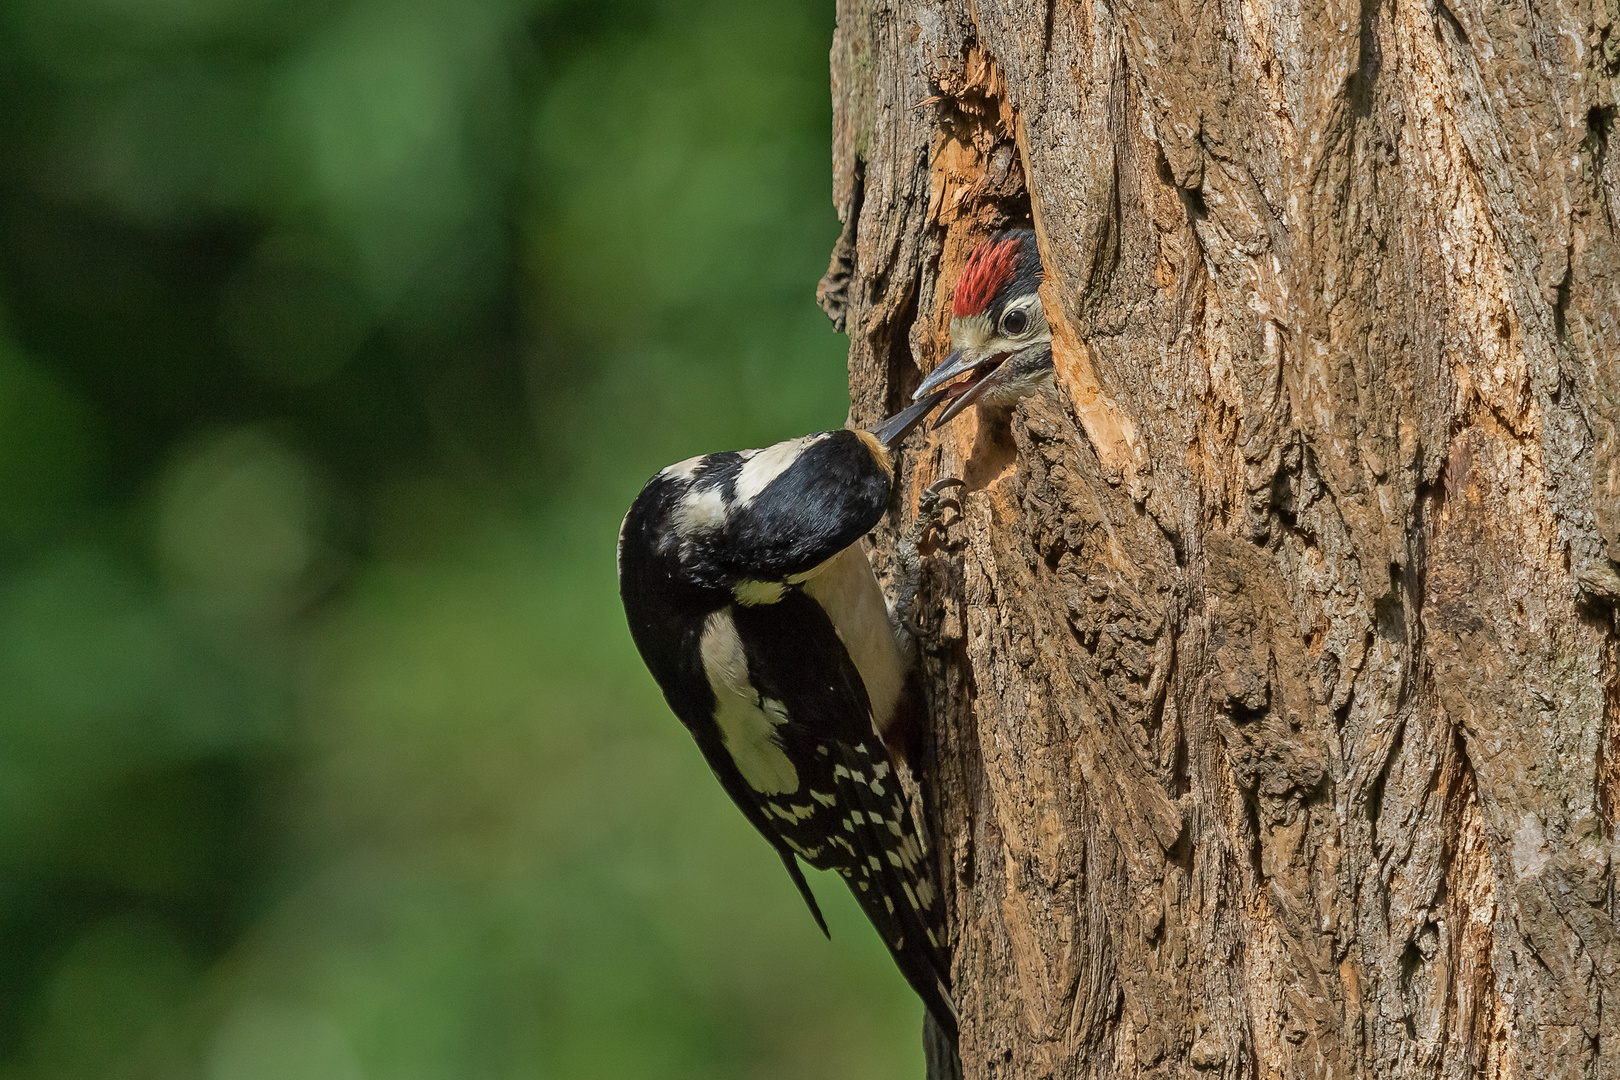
{"x":335,"y":338}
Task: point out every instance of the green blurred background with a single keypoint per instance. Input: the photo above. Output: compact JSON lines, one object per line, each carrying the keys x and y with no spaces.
{"x":334,"y":340}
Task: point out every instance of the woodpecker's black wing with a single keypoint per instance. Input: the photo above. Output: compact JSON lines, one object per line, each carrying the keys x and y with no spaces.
{"x":847,"y":812}
{"x":667,"y":612}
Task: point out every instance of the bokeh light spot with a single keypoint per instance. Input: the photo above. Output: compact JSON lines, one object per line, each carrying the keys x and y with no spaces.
{"x":264,"y":1041}
{"x":238,"y":523}
{"x":115,"y":982}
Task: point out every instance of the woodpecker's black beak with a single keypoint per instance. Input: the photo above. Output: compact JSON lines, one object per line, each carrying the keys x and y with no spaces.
{"x":902,"y":423}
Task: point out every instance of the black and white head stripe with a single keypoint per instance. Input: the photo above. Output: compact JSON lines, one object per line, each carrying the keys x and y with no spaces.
{"x":750,"y":598}
{"x":773,"y":513}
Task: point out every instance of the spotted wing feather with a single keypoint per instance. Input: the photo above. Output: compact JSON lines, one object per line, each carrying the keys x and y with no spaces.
{"x":848,"y":813}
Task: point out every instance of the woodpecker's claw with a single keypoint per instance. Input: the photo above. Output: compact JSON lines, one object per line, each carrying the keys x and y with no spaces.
{"x":934,"y":494}
{"x":932,"y":507}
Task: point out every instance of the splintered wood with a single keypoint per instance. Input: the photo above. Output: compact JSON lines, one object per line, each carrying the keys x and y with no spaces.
{"x":1273,"y":664}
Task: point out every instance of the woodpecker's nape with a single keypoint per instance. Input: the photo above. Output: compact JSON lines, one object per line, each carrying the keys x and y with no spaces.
{"x":750,"y":598}
{"x":1001,"y":342}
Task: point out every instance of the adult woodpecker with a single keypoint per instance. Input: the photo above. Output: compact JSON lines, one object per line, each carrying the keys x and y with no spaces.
{"x":1000,"y":337}
{"x":750,"y":598}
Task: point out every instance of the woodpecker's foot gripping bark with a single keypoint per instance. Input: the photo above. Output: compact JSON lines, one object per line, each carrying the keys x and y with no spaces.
{"x":936,"y":513}
{"x":930,"y":530}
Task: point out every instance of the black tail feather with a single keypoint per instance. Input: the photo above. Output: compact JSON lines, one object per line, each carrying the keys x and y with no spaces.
{"x":943,"y":1059}
{"x":797,"y":875}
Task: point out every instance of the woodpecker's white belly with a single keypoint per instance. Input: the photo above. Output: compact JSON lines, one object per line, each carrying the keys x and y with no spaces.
{"x":849,"y":594}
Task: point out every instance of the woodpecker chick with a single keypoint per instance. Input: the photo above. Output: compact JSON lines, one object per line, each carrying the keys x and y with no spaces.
{"x":750,"y":598}
{"x":1000,"y":337}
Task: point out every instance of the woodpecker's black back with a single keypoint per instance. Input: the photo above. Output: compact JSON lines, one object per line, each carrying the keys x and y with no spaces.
{"x":733,"y":568}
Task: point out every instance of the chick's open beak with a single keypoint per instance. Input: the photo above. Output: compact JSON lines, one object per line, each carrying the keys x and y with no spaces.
{"x":974,"y":369}
{"x":967,"y":392}
{"x":957,"y":364}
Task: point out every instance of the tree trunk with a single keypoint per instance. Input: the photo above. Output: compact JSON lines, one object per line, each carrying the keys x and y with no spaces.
{"x":1273,"y":664}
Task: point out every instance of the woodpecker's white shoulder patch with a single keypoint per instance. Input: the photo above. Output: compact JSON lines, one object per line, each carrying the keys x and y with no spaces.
{"x":767,"y":464}
{"x":683,"y":470}
{"x":747,"y":721}
{"x":699,"y":510}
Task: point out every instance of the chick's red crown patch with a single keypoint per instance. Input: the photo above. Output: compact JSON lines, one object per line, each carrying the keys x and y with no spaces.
{"x":989,"y":267}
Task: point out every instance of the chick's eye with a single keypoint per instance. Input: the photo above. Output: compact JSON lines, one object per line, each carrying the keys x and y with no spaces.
{"x":1015,"y":322}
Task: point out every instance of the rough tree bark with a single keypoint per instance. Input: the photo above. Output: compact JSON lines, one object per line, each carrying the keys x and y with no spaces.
{"x":1274,"y":666}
